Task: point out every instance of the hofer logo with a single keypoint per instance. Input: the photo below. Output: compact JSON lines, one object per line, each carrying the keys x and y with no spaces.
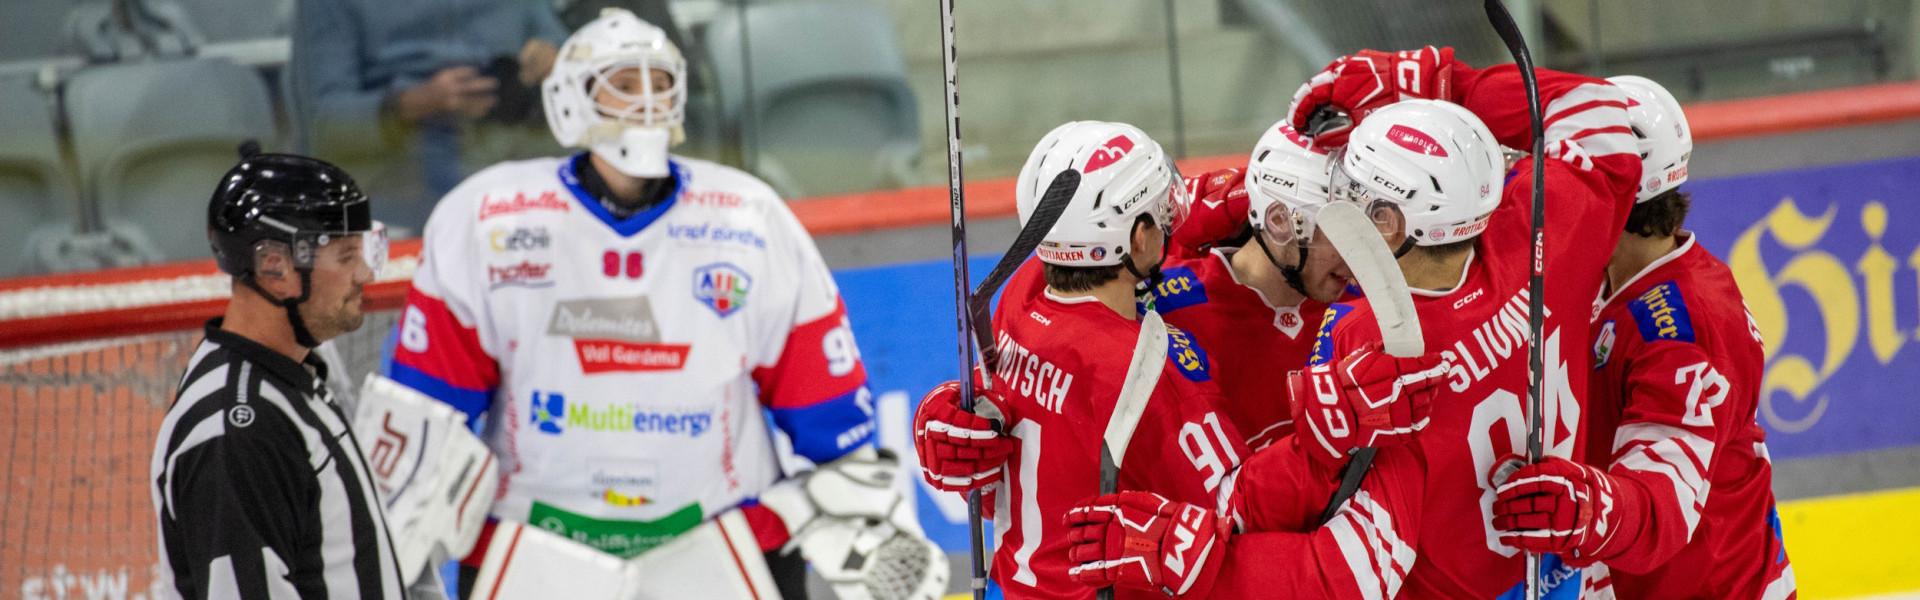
{"x":526,"y":274}
{"x":1415,"y":140}
{"x":491,"y":207}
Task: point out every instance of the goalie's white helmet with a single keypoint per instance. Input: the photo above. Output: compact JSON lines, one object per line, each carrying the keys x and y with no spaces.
{"x":1286,"y":178}
{"x":1123,"y":174}
{"x":636,"y":139}
{"x":1666,"y":141}
{"x":1434,"y":161}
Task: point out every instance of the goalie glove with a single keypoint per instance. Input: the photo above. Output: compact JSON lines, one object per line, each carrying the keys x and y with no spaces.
{"x":435,"y":477}
{"x":958,"y":450}
{"x":1141,"y":540}
{"x":1363,"y":82}
{"x":1367,"y":400}
{"x":1573,"y":510}
{"x":855,"y":528}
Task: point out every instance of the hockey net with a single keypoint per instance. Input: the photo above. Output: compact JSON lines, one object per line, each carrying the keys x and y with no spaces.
{"x":88,"y":367}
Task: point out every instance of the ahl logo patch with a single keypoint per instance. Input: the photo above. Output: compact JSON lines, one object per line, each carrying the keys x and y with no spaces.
{"x":1662,"y":314}
{"x":1187,"y":355}
{"x":722,"y":287}
{"x":1603,"y":345}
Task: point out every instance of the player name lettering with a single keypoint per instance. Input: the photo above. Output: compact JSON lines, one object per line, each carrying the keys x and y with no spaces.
{"x":1031,"y":376}
{"x":1501,"y":337}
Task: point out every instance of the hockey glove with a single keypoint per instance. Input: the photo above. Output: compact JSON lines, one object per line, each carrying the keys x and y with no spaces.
{"x":1218,"y":213}
{"x":960,"y":451}
{"x":1575,"y":511}
{"x":1363,"y":82}
{"x":1367,"y":400}
{"x":1140,"y":540}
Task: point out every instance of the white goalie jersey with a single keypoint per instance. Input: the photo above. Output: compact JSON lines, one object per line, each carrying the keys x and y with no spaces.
{"x":621,"y":367}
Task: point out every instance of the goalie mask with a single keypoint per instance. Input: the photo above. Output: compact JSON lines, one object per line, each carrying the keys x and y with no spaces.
{"x":1425,"y":169}
{"x":1124,"y":175}
{"x":297,"y":207}
{"x":619,"y":89}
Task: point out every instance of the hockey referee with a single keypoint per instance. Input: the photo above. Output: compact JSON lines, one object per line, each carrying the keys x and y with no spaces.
{"x":260,"y":487}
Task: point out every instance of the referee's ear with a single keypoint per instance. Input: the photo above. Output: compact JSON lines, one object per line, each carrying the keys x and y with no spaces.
{"x":273,"y":271}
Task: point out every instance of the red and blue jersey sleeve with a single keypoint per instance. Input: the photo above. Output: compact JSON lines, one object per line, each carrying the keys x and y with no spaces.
{"x":440,"y":355}
{"x":817,"y":390}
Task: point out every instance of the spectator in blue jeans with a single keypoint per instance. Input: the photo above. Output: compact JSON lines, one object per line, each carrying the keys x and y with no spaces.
{"x":413,"y":91}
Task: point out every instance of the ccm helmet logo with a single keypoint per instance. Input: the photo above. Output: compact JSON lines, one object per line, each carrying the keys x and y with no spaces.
{"x":1416,"y":141}
{"x":1109,"y":153}
{"x":1392,"y":187}
{"x":1271,"y":178}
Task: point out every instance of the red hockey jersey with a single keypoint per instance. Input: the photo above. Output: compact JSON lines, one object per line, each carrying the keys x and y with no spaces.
{"x":1677,"y":367}
{"x":1062,"y":362}
{"x":1481,"y":326}
{"x":1255,"y":344}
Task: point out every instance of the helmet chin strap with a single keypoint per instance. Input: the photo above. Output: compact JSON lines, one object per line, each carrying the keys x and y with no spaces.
{"x":1153,"y":276}
{"x":638,"y":151}
{"x":300,"y":333}
{"x":1290,"y":273}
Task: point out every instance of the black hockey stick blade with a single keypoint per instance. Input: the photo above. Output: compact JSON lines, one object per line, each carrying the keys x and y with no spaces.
{"x":1045,"y":214}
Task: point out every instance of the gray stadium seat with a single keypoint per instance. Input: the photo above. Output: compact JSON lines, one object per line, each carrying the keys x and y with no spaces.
{"x":37,"y":201}
{"x":831,"y":109}
{"x":153,"y":138}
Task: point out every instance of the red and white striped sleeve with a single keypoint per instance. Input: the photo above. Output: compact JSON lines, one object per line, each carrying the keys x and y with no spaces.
{"x":1666,"y":443}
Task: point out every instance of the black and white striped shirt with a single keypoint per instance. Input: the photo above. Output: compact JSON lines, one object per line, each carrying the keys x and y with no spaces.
{"x":261,"y":489}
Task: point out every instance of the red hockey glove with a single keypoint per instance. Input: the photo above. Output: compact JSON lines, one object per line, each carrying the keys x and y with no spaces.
{"x":1368,"y":399}
{"x":958,"y":450}
{"x":1219,"y":211}
{"x":1140,"y":540}
{"x":1570,"y":509}
{"x":1368,"y":80}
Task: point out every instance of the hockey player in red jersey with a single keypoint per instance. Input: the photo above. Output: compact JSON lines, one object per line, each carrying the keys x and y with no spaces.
{"x":1065,"y":332}
{"x":1420,"y":524}
{"x":1264,"y":298}
{"x":1669,"y":415}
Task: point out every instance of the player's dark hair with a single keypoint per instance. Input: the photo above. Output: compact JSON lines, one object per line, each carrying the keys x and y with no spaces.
{"x":1661,"y":216}
{"x":1446,"y":251}
{"x":1081,"y":279}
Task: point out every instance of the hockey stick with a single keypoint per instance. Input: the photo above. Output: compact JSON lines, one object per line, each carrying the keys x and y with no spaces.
{"x":961,"y":298}
{"x":1360,"y":245}
{"x":1045,"y":213}
{"x":1143,"y":374}
{"x":1536,"y":283}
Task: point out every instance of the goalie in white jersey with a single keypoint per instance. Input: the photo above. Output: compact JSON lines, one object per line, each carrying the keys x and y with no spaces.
{"x":616,"y":322}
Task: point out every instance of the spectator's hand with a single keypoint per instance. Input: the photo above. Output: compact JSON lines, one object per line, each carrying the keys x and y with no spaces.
{"x":458,"y":90}
{"x":536,"y":61}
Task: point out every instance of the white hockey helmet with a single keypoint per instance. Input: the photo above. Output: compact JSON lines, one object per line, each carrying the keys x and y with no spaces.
{"x":1666,"y":141}
{"x":1123,"y":174}
{"x":1434,"y":161}
{"x":1286,"y":181}
{"x":635,"y":139}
